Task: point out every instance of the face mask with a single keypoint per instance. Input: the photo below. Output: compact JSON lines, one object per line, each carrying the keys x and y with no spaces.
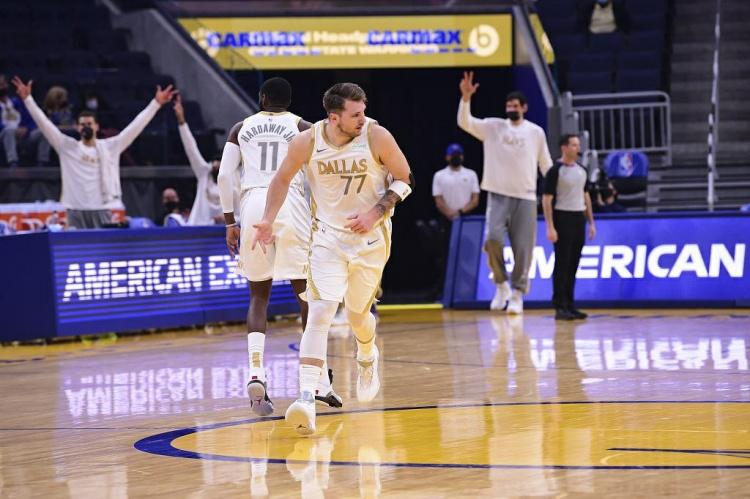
{"x":3,"y":92}
{"x":92,"y":104}
{"x":513,"y":115}
{"x":170,"y":206}
{"x":87,"y":133}
{"x":603,"y":3}
{"x":456,"y":160}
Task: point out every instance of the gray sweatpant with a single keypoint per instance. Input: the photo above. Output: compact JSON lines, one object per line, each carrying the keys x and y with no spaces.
{"x":515,"y":217}
{"x":88,"y":219}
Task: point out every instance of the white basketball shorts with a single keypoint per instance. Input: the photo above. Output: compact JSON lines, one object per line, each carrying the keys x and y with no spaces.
{"x":287,"y":257}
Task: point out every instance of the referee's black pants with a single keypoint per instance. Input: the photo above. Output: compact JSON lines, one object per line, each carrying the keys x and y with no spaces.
{"x":571,"y":235}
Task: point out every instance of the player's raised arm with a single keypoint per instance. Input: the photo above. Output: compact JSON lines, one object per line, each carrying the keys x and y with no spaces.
{"x":386,"y":150}
{"x":300,"y":149}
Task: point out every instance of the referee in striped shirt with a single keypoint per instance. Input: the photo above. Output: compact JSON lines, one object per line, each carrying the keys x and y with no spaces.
{"x":567,"y":207}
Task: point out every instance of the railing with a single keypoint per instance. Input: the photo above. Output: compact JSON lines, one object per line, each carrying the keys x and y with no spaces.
{"x":628,"y":120}
{"x":713,"y":115}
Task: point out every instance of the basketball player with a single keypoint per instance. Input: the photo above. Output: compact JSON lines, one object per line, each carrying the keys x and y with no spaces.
{"x":258,"y":145}
{"x":357,"y":174}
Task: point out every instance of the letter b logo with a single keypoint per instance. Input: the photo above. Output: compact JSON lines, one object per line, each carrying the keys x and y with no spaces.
{"x":484,"y":40}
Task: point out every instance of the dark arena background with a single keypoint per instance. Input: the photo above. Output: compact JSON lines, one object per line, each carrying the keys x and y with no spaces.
{"x":124,"y":348}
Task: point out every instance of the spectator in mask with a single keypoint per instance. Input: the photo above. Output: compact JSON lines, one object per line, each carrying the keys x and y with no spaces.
{"x":207,"y":206}
{"x":604,"y":16}
{"x":173,"y":217}
{"x":90,"y":168}
{"x":15,"y":123}
{"x":455,"y":189}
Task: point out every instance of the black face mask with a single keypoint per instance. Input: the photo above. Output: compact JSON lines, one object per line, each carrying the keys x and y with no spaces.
{"x":513,"y":115}
{"x":456,"y":160}
{"x":4,"y":92}
{"x":87,"y":133}
{"x":170,"y":206}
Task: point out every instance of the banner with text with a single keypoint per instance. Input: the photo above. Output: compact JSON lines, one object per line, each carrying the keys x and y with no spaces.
{"x":355,"y":42}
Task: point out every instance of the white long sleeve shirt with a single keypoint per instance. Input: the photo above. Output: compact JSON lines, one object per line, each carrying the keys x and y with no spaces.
{"x":511,"y":153}
{"x":207,"y":204}
{"x":91,"y":175}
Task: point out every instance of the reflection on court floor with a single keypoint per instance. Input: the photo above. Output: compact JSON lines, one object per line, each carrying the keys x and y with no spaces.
{"x":472,"y":404}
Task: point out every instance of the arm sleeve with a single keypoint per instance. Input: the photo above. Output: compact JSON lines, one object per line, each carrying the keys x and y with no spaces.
{"x":544,"y":158}
{"x":197,"y":163}
{"x":550,"y":181}
{"x":134,"y":129}
{"x":479,"y":128}
{"x":436,"y":190}
{"x":230,"y":162}
{"x":53,"y":135}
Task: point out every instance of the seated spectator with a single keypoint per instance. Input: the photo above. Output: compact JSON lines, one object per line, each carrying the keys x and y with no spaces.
{"x":15,"y":123}
{"x":173,"y":216}
{"x":606,"y":199}
{"x":604,"y":16}
{"x":60,"y":113}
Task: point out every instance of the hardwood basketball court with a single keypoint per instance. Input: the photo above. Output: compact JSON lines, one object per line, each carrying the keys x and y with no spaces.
{"x":473,"y":404}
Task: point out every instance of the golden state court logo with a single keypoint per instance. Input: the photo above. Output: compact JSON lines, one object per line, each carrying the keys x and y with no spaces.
{"x":201,"y":36}
{"x":484,"y":40}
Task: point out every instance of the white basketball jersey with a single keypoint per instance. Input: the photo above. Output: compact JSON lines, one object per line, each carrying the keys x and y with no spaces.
{"x":264,"y":141}
{"x":344,"y":180}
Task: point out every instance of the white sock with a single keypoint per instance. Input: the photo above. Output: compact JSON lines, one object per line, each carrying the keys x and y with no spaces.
{"x":308,"y":378}
{"x":256,"y":343}
{"x":324,"y":383}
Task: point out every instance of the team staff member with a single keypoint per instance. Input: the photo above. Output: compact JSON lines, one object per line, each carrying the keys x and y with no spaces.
{"x":513,"y":149}
{"x":567,"y":207}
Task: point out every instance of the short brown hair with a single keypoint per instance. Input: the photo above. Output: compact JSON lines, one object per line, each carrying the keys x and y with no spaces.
{"x":87,"y":114}
{"x":335,"y":97}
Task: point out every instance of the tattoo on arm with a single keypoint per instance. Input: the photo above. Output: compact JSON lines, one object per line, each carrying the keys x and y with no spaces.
{"x":387,"y":202}
{"x":234,"y":133}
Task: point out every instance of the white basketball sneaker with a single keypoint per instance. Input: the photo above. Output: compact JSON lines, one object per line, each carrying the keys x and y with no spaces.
{"x":324,"y":392}
{"x":515,"y":304}
{"x":301,"y":414}
{"x":502,"y":294}
{"x":368,"y":378}
{"x":257,"y":390}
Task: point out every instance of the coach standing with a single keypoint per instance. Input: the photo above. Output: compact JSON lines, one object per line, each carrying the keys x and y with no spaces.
{"x":567,"y":207}
{"x":513,"y":148}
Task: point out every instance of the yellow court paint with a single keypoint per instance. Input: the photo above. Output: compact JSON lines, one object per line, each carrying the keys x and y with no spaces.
{"x":620,"y":434}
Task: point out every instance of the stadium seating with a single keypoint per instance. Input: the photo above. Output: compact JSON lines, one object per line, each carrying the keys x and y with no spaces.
{"x":622,"y":62}
{"x":74,"y":44}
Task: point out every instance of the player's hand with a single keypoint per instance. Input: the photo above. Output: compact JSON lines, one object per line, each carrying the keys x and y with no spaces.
{"x":263,"y":235}
{"x":233,"y":240}
{"x":467,"y":86}
{"x":179,"y":111}
{"x":22,"y":90}
{"x":551,"y":234}
{"x":592,"y":232}
{"x":363,"y":223}
{"x":165,"y":95}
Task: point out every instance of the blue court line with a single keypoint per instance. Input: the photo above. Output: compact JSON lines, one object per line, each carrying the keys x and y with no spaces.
{"x":161,"y":444}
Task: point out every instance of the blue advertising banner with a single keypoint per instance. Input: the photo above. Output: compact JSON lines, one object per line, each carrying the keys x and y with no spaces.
{"x":87,"y":282}
{"x":686,"y":260}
